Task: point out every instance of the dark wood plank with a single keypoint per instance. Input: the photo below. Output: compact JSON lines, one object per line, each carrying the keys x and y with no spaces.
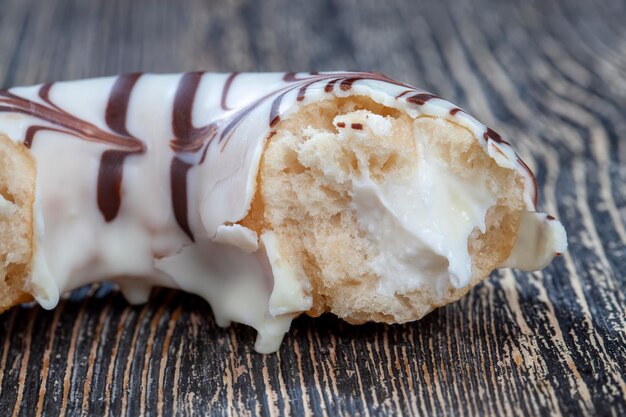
{"x":551,"y":75}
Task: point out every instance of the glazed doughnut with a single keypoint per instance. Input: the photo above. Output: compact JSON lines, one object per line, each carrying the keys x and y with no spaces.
{"x":269,"y":195}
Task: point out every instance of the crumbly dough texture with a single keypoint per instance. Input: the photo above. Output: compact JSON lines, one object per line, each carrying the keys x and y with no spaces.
{"x":311,"y":214}
{"x":17,"y":194}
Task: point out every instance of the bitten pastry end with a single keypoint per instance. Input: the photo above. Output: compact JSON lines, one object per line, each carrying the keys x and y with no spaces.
{"x":269,"y":195}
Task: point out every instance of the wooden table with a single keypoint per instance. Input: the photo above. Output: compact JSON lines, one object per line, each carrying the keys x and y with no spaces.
{"x":551,"y":75}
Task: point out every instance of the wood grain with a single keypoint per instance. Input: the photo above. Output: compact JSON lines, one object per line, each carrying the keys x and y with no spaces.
{"x":551,"y":75}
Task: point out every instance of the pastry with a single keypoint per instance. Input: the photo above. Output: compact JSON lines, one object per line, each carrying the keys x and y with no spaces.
{"x":269,"y":195}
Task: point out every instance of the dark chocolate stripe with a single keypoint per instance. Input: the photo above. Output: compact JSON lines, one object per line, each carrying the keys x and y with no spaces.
{"x":75,"y":126}
{"x":494,"y":136}
{"x":302,"y":92}
{"x":178,"y":185}
{"x":226,"y":90}
{"x":490,"y":134}
{"x":182,"y":124}
{"x":331,"y":85}
{"x":421,"y":98}
{"x":44,"y":94}
{"x":346,"y":84}
{"x":205,"y":150}
{"x":29,"y":137}
{"x":534,"y":180}
{"x":110,"y":176}
{"x":111,"y":171}
{"x":117,"y":107}
{"x":275,"y":111}
{"x":187,"y":138}
{"x":32,"y":130}
{"x":290,"y":76}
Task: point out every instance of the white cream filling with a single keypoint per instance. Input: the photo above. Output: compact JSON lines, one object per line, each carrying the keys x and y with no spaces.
{"x":421,"y":225}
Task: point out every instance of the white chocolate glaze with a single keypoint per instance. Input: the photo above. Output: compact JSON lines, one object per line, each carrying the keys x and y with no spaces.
{"x":142,"y":178}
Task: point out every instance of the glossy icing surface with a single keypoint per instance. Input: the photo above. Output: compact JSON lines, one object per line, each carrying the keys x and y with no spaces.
{"x":141,"y":179}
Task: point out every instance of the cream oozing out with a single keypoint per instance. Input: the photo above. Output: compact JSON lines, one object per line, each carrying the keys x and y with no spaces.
{"x":141,"y":179}
{"x":421,"y":224}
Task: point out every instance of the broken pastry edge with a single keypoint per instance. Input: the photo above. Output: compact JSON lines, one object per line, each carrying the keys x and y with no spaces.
{"x":458,"y":291}
{"x":16,"y":224}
